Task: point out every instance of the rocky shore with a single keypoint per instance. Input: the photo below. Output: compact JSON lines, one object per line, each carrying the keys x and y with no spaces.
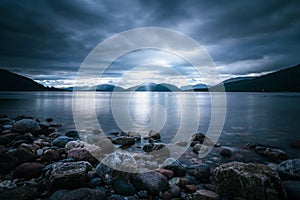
{"x":40,"y":161}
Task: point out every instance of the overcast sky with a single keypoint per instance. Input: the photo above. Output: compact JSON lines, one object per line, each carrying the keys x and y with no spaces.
{"x":48,"y":40}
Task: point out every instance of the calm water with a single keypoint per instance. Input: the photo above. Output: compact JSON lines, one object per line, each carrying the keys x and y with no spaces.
{"x":265,"y":118}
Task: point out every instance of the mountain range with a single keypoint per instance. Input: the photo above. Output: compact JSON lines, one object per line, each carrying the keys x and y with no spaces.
{"x":13,"y":82}
{"x":286,"y":80}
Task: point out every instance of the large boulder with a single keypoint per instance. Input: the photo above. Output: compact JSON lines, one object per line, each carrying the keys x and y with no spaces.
{"x":68,"y":175}
{"x":289,"y":169}
{"x":249,"y":181}
{"x":153,"y":182}
{"x":26,"y":125}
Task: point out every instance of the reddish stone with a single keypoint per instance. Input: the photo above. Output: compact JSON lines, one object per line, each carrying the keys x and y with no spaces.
{"x":50,"y":155}
{"x":190,"y":188}
{"x":167,"y":173}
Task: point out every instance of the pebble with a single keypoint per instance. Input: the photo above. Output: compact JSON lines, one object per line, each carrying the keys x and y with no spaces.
{"x":61,"y":141}
{"x":226,"y":152}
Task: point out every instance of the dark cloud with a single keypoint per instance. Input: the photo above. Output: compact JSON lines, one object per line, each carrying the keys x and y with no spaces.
{"x":53,"y":37}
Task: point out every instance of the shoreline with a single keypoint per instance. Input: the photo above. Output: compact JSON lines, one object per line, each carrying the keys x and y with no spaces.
{"x":37,"y":161}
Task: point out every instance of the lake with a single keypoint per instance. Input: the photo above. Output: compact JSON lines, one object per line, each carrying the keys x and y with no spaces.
{"x":264,"y":118}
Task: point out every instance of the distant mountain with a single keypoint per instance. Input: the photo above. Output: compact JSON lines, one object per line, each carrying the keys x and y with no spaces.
{"x":102,"y":87}
{"x":238,"y":79}
{"x":161,"y":87}
{"x":13,"y":82}
{"x":286,"y":80}
{"x":198,"y":87}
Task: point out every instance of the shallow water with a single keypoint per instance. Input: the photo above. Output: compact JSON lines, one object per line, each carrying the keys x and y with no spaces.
{"x":264,"y":118}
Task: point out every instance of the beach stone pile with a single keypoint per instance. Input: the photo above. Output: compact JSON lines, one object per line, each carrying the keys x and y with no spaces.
{"x":38,"y":160}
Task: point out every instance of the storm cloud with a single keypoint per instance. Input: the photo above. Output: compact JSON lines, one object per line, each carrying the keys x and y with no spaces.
{"x":48,"y":40}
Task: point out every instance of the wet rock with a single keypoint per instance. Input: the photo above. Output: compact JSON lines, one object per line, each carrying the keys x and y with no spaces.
{"x":74,"y":146}
{"x":202,"y":139}
{"x":190,"y":188}
{"x":94,"y":182}
{"x":248,"y":181}
{"x":50,"y":155}
{"x":22,"y":192}
{"x":158,"y":150}
{"x":68,"y":175}
{"x":174,"y":165}
{"x":154,"y":135}
{"x":29,"y":170}
{"x":123,"y":188}
{"x":205,"y":195}
{"x":296,"y":144}
{"x":153,"y":182}
{"x":292,"y":189}
{"x":226,"y":152}
{"x":250,"y":146}
{"x":181,"y":143}
{"x":26,"y":125}
{"x":84,"y":194}
{"x":167,"y":173}
{"x":200,"y":172}
{"x":39,"y":152}
{"x":61,"y":141}
{"x":49,"y":119}
{"x":115,"y":166}
{"x":46,"y":130}
{"x":121,"y":161}
{"x":124,"y":141}
{"x":200,"y":148}
{"x":271,"y":153}
{"x":72,"y":134}
{"x":175,"y":191}
{"x":289,"y":169}
{"x":133,"y":134}
{"x":80,"y":154}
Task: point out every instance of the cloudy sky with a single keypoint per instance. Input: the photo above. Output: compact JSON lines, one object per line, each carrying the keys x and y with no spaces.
{"x":49,"y":40}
